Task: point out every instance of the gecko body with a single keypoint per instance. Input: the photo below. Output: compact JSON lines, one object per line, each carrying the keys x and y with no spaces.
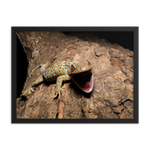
{"x":63,"y":71}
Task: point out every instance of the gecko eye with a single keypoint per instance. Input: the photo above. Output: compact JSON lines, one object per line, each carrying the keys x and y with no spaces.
{"x":88,"y":63}
{"x":72,"y":68}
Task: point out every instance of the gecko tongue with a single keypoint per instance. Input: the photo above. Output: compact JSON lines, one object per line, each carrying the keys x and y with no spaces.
{"x":84,"y":81}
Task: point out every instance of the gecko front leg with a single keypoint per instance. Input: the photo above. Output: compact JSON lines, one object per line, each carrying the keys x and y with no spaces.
{"x":59,"y":81}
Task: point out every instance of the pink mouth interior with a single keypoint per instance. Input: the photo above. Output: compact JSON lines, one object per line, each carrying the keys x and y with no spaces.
{"x":84,"y":81}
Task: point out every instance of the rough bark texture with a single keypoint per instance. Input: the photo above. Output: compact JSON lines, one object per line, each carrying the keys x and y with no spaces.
{"x":112,"y":96}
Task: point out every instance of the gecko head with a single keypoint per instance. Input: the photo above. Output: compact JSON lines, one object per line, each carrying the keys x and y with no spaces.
{"x":82,"y":75}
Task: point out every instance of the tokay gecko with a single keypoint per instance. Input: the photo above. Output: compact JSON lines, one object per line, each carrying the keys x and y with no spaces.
{"x":79,"y":72}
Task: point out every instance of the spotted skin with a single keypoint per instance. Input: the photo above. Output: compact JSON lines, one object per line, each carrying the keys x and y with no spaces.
{"x":60,"y":72}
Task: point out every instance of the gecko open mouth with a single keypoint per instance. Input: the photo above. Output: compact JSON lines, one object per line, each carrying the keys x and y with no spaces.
{"x":84,"y":80}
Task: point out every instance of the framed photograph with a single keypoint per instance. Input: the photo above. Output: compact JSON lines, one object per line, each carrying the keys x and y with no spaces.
{"x":74,"y":74}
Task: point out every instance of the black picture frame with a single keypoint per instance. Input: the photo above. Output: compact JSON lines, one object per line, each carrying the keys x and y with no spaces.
{"x":14,"y":56}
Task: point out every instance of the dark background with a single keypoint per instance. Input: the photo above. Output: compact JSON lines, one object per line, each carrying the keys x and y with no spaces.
{"x":125,"y":39}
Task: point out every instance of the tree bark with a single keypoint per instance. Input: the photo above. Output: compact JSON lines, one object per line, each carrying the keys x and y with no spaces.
{"x":112,"y":96}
